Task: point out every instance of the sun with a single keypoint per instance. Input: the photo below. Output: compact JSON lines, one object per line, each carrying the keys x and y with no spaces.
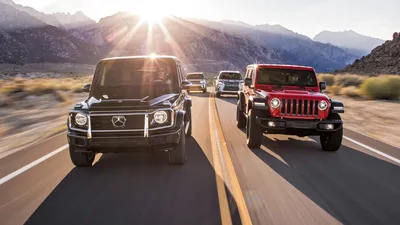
{"x":152,"y":16}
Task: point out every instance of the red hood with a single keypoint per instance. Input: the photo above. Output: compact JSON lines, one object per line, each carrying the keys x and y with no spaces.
{"x":300,"y":94}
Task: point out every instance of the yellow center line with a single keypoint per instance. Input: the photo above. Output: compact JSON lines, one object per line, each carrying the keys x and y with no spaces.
{"x":224,"y":170}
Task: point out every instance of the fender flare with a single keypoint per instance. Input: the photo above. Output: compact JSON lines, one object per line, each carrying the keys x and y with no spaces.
{"x":179,"y":118}
{"x":336,"y":107}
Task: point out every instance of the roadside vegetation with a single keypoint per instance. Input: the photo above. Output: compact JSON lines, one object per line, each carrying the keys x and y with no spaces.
{"x":355,"y":86}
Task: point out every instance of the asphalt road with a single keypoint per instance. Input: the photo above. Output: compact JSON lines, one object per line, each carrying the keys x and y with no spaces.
{"x":119,"y":189}
{"x":288,"y":181}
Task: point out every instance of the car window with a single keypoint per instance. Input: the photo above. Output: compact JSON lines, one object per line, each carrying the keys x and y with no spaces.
{"x":288,"y":77}
{"x":230,"y":76}
{"x":195,"y":76}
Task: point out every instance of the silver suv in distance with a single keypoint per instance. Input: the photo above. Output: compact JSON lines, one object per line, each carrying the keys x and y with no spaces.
{"x":228,"y":82}
{"x":198,"y":81}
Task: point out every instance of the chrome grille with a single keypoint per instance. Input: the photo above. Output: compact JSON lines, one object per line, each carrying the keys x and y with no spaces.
{"x":133,"y":122}
{"x":231,"y":88}
{"x":299,"y":107}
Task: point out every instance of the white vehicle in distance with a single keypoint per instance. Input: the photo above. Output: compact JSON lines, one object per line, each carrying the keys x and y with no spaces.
{"x":228,"y":82}
{"x":198,"y":81}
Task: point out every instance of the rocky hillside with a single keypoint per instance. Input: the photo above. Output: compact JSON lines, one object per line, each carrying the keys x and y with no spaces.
{"x":24,"y":38}
{"x":349,"y":40}
{"x":384,"y":59}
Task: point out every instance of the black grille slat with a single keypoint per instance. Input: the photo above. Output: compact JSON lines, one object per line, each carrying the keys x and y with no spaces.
{"x":299,"y":109}
{"x":311,"y":108}
{"x":294,"y":107}
{"x":283,"y":106}
{"x":104,"y":122}
{"x":289,"y":106}
{"x":305,"y":107}
{"x":316,"y":108}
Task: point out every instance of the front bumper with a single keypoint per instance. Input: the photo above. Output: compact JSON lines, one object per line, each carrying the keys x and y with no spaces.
{"x":228,"y":90}
{"x":298,"y":126}
{"x":197,"y":87}
{"x":125,"y":141}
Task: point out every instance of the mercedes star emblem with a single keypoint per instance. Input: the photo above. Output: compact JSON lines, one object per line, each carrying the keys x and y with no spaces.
{"x":118,"y":121}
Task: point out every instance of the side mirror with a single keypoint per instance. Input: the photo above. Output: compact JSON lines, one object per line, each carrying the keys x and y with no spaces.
{"x":86,"y":87}
{"x":186,"y":84}
{"x":248,"y":81}
{"x":322,"y":85}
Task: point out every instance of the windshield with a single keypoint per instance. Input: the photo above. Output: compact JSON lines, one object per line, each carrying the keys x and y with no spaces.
{"x":135,"y":78}
{"x":195,"y":76}
{"x":286,"y":77}
{"x":230,"y":76}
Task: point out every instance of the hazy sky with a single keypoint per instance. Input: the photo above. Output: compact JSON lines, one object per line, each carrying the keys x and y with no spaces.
{"x":377,"y":18}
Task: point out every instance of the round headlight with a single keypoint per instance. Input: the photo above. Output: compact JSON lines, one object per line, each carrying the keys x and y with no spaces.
{"x":322,"y":105}
{"x":160,"y":117}
{"x":81,"y":119}
{"x":275,"y":103}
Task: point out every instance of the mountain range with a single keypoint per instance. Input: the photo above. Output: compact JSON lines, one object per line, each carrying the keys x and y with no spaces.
{"x":349,"y":40}
{"x":27,"y":35}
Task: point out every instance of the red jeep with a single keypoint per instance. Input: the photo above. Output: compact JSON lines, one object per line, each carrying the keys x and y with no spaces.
{"x":282,"y":99}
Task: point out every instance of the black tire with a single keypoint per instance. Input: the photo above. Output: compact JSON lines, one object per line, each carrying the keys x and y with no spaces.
{"x":178,"y":155}
{"x":81,"y":159}
{"x":189,"y":119}
{"x":254,"y":132}
{"x":205,"y":90}
{"x":240,"y":117}
{"x":218,"y":95}
{"x":331,"y":141}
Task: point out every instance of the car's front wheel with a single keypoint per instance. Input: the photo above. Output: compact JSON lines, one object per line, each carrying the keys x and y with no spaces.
{"x":178,"y":155}
{"x":254,"y":131}
{"x":240,"y":117}
{"x":218,"y":94}
{"x":331,"y":141}
{"x":81,"y":159}
{"x":205,"y":90}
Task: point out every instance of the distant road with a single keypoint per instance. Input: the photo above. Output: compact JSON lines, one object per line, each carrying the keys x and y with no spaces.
{"x":288,"y":181}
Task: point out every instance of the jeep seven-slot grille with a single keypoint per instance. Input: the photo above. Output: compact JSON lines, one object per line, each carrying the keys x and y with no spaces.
{"x":299,"y":107}
{"x":105,"y":123}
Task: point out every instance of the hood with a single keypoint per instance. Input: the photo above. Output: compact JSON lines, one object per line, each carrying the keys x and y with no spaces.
{"x":94,"y":104}
{"x":231,"y":81}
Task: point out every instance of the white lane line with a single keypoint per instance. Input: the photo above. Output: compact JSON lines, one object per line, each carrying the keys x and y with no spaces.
{"x":32,"y":164}
{"x":373,"y":150}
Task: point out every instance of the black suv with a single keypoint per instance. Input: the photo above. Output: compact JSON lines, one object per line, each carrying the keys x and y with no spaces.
{"x":134,"y":104}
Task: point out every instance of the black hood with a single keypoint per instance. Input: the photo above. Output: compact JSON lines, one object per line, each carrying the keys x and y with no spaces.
{"x":94,"y":104}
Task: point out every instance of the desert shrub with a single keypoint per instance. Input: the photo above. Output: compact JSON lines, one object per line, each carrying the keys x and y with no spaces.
{"x":334,"y":89}
{"x":347,"y":80}
{"x":40,"y":88}
{"x":382,"y":87}
{"x":328,"y":78}
{"x":60,"y":96}
{"x":76,"y":88}
{"x":351,"y":91}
